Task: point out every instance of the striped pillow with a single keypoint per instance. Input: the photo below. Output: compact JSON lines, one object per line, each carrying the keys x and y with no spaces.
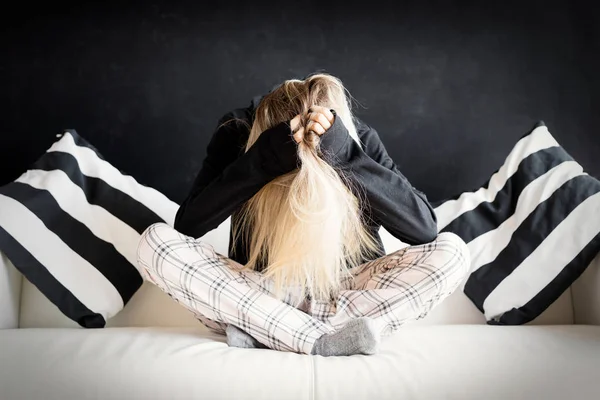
{"x":71,"y":225}
{"x":532,"y":229}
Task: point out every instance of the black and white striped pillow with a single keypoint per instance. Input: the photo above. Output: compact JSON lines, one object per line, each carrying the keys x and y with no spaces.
{"x":532,"y":229}
{"x":71,"y":225}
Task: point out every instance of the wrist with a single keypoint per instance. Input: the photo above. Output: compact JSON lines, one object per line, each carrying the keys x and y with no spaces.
{"x":279,"y":150}
{"x":336,"y":141}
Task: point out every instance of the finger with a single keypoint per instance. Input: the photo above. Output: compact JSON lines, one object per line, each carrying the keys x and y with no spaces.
{"x":295,"y":122}
{"x":315,"y":127}
{"x":299,"y":135}
{"x":326,"y":111}
{"x":321,"y":119}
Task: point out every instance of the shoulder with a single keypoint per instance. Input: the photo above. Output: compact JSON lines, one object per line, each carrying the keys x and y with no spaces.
{"x":236,"y":121}
{"x":367,"y":134}
{"x":232,"y":130}
{"x":372,"y":144}
{"x":243,"y":116}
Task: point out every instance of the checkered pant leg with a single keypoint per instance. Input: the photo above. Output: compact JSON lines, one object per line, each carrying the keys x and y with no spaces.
{"x":401,"y":286}
{"x":209,"y":285}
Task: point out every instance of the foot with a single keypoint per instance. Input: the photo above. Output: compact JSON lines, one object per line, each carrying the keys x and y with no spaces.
{"x":238,"y":338}
{"x":358,"y":336}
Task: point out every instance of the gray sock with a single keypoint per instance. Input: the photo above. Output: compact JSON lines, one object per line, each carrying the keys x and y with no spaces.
{"x":359,"y":336}
{"x":238,"y":338}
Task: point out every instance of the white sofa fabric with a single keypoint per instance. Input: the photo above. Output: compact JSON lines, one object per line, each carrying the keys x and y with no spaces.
{"x":155,"y":349}
{"x":151,"y":307}
{"x":10,"y":294}
{"x":586,"y":295}
{"x":436,"y":362}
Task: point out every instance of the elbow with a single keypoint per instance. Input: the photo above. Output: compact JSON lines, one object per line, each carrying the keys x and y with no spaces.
{"x":430,"y":231}
{"x":187,"y":222}
{"x":417,"y":232}
{"x":425,"y":234}
{"x":430,"y":227}
{"x":427,"y":230}
{"x":180,"y":223}
{"x":427,"y":220}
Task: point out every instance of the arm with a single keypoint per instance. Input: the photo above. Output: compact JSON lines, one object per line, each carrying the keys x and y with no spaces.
{"x":226,"y":181}
{"x":225,"y":146}
{"x":372,"y":145}
{"x":394,"y":203}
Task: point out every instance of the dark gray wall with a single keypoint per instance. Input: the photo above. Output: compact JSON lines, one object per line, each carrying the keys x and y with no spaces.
{"x":449,"y":85}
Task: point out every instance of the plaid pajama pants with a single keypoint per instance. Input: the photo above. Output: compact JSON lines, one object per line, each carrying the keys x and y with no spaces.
{"x":392,"y":290}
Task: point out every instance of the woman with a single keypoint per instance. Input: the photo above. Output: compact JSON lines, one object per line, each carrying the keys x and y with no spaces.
{"x":308,"y":186}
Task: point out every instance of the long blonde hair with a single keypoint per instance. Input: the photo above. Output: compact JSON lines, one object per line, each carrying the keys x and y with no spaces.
{"x":305,"y":226}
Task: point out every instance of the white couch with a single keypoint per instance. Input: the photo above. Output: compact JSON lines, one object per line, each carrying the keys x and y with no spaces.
{"x":155,"y":349}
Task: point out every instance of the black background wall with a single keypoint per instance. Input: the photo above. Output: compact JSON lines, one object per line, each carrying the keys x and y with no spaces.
{"x":450,"y":86}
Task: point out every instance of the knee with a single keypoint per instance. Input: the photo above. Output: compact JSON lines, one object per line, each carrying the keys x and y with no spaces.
{"x":453,"y":240}
{"x":150,"y":241}
{"x":154,"y":234}
{"x":458,"y":251}
{"x":158,"y":230}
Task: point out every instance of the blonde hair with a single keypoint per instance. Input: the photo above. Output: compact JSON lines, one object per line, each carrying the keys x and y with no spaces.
{"x":305,"y":226}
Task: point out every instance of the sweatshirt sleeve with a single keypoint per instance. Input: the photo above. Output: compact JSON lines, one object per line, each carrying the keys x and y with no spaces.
{"x":394,"y":203}
{"x":226,"y":181}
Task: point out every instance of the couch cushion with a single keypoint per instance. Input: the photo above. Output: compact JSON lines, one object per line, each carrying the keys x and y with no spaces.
{"x":151,"y":307}
{"x":459,"y":361}
{"x":586,"y":295}
{"x":470,"y":362}
{"x":141,"y":363}
{"x":10,"y":294}
{"x":459,"y":309}
{"x":148,"y":307}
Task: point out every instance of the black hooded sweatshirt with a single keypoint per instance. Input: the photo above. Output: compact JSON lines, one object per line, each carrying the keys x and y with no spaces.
{"x":229,"y":177}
